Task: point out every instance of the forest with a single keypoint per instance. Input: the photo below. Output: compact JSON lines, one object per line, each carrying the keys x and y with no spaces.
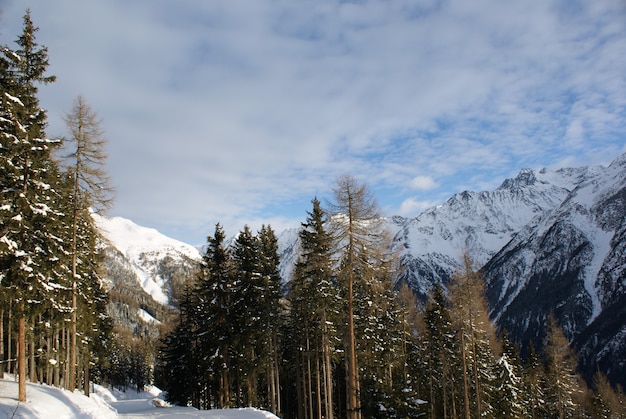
{"x":340,"y":339}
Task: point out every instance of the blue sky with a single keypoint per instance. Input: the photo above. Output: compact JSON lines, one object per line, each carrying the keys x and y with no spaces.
{"x":240,"y":112}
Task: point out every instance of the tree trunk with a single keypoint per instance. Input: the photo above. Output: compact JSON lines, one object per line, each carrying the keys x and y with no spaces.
{"x":328,"y":373}
{"x":31,"y":357}
{"x":2,"y":343}
{"x":73,"y":349}
{"x":10,"y":339}
{"x":352,"y":378}
{"x":21,"y":358}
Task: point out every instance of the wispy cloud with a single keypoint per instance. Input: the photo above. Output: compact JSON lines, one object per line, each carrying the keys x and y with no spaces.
{"x":230,"y":110}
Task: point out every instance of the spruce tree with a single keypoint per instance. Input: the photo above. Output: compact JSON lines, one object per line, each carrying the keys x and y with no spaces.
{"x":247,"y":294}
{"x":216,"y":313}
{"x":271,"y":320}
{"x":314,"y":298}
{"x":27,"y":250}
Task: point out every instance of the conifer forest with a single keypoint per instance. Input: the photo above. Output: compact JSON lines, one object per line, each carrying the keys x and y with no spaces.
{"x":339,"y":339}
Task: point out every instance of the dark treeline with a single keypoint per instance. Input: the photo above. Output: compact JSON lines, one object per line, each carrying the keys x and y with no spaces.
{"x":336,"y":341}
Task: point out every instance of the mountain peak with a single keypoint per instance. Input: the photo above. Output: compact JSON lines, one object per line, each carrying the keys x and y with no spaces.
{"x":526,"y":177}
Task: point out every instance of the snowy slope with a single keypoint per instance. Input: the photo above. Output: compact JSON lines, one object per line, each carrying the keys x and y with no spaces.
{"x":432,"y":244}
{"x":570,"y":263}
{"x":50,"y":402}
{"x":145,"y":249}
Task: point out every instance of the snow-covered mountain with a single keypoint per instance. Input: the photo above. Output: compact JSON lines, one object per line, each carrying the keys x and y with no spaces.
{"x":548,"y":241}
{"x":571,"y":262}
{"x":145,"y":272}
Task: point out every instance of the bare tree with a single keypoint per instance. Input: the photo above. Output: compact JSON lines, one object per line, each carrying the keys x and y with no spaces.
{"x":90,"y":189}
{"x":360,"y":243}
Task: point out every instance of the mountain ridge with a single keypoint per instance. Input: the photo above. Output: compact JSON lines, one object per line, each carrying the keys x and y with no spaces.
{"x":546,"y":241}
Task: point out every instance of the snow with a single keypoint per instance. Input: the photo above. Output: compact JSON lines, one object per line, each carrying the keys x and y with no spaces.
{"x":144,"y":247}
{"x":146,"y":317}
{"x":50,"y":402}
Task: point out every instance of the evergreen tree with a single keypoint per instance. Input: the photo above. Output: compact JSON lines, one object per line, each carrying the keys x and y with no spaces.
{"x":178,"y":360}
{"x":28,"y":252}
{"x":216,"y":313}
{"x":247,"y":293}
{"x":271,"y":321}
{"x":534,"y":378}
{"x":510,"y":400}
{"x":439,"y":350}
{"x":314,"y":298}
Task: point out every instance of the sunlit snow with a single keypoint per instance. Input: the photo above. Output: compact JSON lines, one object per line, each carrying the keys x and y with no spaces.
{"x":50,"y":402}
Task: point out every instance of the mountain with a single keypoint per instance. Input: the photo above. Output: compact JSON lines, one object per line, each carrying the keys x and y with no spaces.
{"x":547,"y":242}
{"x":144,"y":273}
{"x":570,"y":263}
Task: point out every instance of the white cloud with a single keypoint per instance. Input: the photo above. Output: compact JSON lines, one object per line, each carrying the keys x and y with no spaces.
{"x":219,"y":110}
{"x":423,"y":183}
{"x":412,"y":207}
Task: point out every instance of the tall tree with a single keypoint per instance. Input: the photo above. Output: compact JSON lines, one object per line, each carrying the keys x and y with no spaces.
{"x":269,"y":261}
{"x":563,"y":385}
{"x":90,"y":189}
{"x":360,"y":244}
{"x":215,"y":313}
{"x":27,"y":249}
{"x":315,"y":316}
{"x":247,"y":292}
{"x":477,"y":339}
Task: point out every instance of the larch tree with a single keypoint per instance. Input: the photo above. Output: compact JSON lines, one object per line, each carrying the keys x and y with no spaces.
{"x":477,"y":339}
{"x":360,"y":244}
{"x":564,"y":388}
{"x":27,"y":249}
{"x":90,"y":190}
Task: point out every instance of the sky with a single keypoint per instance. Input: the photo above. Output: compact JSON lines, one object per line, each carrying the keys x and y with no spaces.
{"x":241,"y":112}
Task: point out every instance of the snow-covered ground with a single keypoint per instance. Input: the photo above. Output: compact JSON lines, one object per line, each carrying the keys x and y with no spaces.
{"x":51,"y":402}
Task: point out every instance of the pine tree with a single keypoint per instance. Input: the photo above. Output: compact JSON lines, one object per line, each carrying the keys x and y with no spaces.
{"x":534,"y":378}
{"x":271,"y":321}
{"x":440,"y":360}
{"x":216,"y":313}
{"x":178,"y":359}
{"x":314,"y":298}
{"x":510,"y":400}
{"x":247,"y":293}
{"x":27,"y":251}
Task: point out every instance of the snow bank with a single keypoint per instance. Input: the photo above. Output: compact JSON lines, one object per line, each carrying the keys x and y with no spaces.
{"x":51,"y":402}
